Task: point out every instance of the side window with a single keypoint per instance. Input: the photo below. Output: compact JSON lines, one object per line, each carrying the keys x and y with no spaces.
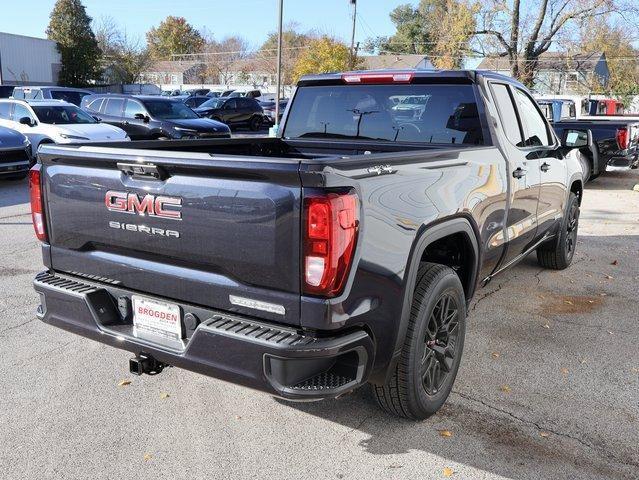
{"x":114,"y":107}
{"x":18,"y":93}
{"x":535,"y":127}
{"x":94,"y":105}
{"x":5,"y":110}
{"x":230,"y":104}
{"x":508,"y":114}
{"x":20,"y":111}
{"x":133,"y":108}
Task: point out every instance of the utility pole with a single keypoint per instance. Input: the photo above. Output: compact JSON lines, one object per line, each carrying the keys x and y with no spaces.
{"x":276,"y":127}
{"x":353,"y":51}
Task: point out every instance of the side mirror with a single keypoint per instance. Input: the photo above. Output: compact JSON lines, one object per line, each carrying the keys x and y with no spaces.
{"x":97,"y":119}
{"x":141,"y":116}
{"x":26,"y":121}
{"x":577,"y":139}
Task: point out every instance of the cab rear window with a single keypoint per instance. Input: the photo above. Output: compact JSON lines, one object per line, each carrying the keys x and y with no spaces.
{"x":395,"y":113}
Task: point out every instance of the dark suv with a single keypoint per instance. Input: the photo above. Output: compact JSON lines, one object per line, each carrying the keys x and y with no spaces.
{"x":152,"y":117}
{"x":234,"y":111}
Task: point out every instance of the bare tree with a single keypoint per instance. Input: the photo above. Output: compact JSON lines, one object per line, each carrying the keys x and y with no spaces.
{"x":223,"y":58}
{"x":522,"y":30}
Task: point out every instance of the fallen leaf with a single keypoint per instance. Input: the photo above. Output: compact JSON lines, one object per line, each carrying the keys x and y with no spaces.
{"x":609,"y":277}
{"x":147,"y":457}
{"x":568,"y":302}
{"x":542,"y":297}
{"x":448,"y":472}
{"x":564,"y":371}
{"x":591,"y":301}
{"x":544,"y":434}
{"x":495,"y":354}
{"x":610,"y":333}
{"x":164,"y":395}
{"x":445,"y":433}
{"x":124,"y":383}
{"x":238,"y":417}
{"x":615,"y":262}
{"x":582,"y":361}
{"x":546,"y":325}
{"x":505,"y":388}
{"x":635,"y":370}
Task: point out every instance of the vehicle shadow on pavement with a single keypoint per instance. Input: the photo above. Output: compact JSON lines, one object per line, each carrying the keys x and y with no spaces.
{"x":539,"y":393}
{"x":13,"y":192}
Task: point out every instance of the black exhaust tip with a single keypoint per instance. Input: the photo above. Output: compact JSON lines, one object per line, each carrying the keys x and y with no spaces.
{"x":141,"y":364}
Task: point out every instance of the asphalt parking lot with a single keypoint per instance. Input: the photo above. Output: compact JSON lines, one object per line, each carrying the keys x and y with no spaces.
{"x":548,"y":387}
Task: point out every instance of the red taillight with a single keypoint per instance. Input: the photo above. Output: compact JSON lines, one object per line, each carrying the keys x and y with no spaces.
{"x":37,"y":208}
{"x":623,"y":138}
{"x":397,"y":77}
{"x":330,"y":235}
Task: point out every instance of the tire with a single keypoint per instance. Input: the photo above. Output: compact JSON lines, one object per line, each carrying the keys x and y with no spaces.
{"x":419,"y":386}
{"x":586,"y":167}
{"x":255,"y":124}
{"x":559,"y":252}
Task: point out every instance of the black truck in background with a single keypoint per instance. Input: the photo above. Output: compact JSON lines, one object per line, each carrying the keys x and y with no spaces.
{"x":615,"y":141}
{"x":344,"y":252}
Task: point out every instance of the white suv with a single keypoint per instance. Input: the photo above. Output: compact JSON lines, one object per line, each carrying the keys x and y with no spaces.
{"x":55,"y":121}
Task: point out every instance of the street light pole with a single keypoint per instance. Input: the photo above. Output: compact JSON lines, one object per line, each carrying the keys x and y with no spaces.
{"x":279,"y":67}
{"x":354,"y":4}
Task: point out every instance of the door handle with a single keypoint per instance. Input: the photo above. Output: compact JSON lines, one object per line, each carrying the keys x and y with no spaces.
{"x":545,"y":167}
{"x":519,"y":172}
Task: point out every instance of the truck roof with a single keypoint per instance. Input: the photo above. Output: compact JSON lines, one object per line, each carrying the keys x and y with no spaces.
{"x":464,"y":76}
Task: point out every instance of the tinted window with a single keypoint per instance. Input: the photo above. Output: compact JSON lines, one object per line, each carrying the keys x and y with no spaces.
{"x":448,"y":114}
{"x":5,"y":109}
{"x":68,"y":96}
{"x":536,"y":132}
{"x":133,"y":108}
{"x":213,"y":103}
{"x":230,"y":104}
{"x":114,"y":107}
{"x":20,"y":111}
{"x":62,"y":115}
{"x":508,"y":114}
{"x":169,"y":110}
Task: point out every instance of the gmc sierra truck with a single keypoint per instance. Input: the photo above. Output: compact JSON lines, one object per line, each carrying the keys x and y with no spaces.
{"x":343,"y":252}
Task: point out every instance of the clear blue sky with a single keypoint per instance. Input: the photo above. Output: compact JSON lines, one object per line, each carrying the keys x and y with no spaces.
{"x":253,"y":19}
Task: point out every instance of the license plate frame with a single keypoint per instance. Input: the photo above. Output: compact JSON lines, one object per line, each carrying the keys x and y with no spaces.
{"x":157,"y":318}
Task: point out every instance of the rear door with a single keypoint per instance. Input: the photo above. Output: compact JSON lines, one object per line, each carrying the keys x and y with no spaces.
{"x":112,"y":109}
{"x":213,"y":231}
{"x":525,"y":176}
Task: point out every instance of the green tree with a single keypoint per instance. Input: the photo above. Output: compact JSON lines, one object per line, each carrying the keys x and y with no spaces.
{"x":323,"y":55}
{"x":412,"y":33}
{"x":70,"y":27}
{"x":174,"y":36}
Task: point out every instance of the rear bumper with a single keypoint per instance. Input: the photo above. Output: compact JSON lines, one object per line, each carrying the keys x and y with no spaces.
{"x":627,"y":161}
{"x":279,"y":360}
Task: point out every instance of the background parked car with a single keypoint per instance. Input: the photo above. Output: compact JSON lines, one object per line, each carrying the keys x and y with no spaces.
{"x":71,"y":95}
{"x":15,"y":154}
{"x":152,"y":117}
{"x":196,"y":100}
{"x":233,"y":111}
{"x":198,"y":92}
{"x":55,"y":121}
{"x":6,"y":91}
{"x":269,"y":109}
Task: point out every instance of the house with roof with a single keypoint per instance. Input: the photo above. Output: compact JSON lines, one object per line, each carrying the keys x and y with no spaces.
{"x":561,"y":73}
{"x":174,"y":72}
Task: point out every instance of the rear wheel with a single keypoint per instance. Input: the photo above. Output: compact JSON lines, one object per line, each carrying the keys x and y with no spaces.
{"x":255,"y":124}
{"x":433,"y":347}
{"x":558,"y":253}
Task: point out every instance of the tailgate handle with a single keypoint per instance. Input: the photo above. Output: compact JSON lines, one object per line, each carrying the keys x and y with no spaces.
{"x":146,"y":170}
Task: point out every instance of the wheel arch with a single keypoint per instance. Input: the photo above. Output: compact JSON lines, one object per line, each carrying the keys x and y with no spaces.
{"x":431,"y":234}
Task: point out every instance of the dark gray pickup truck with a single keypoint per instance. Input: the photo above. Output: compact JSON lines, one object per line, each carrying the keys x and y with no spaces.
{"x":344,"y":252}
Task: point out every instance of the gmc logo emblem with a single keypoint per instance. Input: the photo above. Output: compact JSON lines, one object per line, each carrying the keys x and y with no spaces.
{"x":151,"y":205}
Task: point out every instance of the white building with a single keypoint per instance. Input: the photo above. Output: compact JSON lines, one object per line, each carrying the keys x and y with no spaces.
{"x":28,"y":60}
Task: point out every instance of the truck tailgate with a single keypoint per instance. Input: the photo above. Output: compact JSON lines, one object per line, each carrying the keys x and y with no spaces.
{"x":220,"y":232}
